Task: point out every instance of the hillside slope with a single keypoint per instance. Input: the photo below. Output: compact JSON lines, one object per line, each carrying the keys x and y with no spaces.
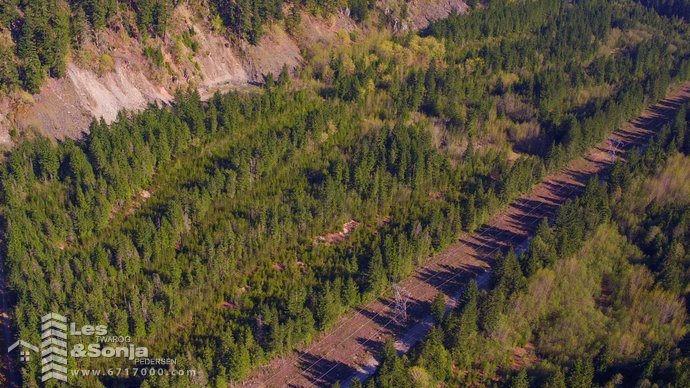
{"x":349,"y":349}
{"x":117,"y":75}
{"x":238,"y":203}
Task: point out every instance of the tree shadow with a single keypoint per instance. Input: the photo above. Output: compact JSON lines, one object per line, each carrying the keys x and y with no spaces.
{"x":547,"y":209}
{"x":373,"y":346}
{"x":320,"y":371}
{"x":386,"y":319}
{"x":448,"y":279}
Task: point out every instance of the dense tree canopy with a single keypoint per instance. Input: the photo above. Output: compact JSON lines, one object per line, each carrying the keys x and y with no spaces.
{"x":211,"y":230}
{"x":606,"y":308}
{"x":678,"y":8}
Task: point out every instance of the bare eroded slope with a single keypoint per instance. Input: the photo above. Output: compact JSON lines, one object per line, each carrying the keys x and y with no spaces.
{"x":116,"y":75}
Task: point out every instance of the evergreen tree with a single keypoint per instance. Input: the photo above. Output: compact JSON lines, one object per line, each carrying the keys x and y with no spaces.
{"x":438,"y":308}
{"x":392,"y":369}
{"x":519,"y":380}
{"x":492,"y":307}
{"x":376,"y":274}
{"x":542,"y":250}
{"x":9,"y":75}
{"x":31,"y":70}
{"x":508,"y":276}
{"x":555,"y":380}
{"x":462,"y":324}
{"x":434,"y":357}
{"x":582,"y":374}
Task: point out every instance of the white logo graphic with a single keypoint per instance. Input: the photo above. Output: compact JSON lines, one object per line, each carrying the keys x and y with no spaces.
{"x":54,"y":350}
{"x":54,"y":347}
{"x":24,"y":354}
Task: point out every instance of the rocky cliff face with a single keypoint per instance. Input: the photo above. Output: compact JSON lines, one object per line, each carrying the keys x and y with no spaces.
{"x":417,"y":14}
{"x":429,"y":10}
{"x":116,"y":76}
{"x":65,"y":107}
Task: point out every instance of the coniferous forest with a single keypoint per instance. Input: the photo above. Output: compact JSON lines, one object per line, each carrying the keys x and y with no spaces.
{"x":600,"y":295}
{"x":42,"y":31}
{"x":203,"y":229}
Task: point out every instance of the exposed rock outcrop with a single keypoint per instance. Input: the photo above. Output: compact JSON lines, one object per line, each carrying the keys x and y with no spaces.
{"x":424,"y":12}
{"x":65,"y":107}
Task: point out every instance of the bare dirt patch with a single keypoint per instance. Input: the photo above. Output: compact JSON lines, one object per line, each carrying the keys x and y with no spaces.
{"x":114,"y":75}
{"x":128,"y":209}
{"x":227,"y":305}
{"x":524,"y":356}
{"x":334,"y":238}
{"x":423,"y":12}
{"x":348,"y":348}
